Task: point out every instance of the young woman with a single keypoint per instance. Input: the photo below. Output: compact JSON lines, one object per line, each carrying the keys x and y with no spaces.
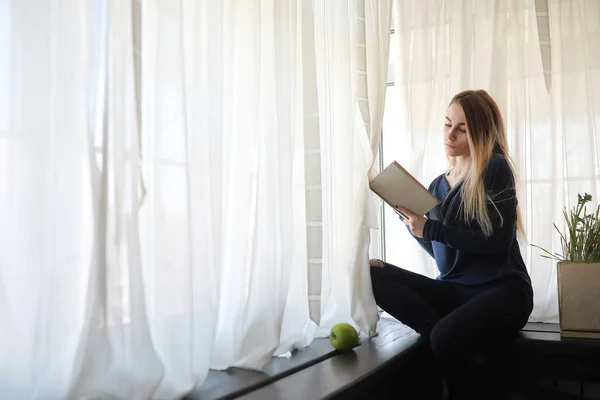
{"x":482,"y":296}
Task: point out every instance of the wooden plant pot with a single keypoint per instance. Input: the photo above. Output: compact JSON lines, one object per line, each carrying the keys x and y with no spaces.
{"x":579,"y":299}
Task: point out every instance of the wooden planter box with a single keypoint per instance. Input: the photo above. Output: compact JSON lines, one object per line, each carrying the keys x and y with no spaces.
{"x":579,"y":299}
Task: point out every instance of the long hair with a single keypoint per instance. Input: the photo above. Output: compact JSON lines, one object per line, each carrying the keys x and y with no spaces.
{"x":486,"y":136}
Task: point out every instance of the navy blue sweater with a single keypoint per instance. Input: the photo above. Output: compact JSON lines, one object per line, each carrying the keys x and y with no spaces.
{"x":462,"y":252}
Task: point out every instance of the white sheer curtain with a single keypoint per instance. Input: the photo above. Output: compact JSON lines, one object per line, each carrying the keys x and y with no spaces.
{"x":73,"y":314}
{"x":352,"y":43}
{"x":575,"y":128}
{"x":223,"y":228}
{"x":444,"y":47}
{"x":247,"y":108}
{"x":44,"y":190}
{"x":130,"y":267}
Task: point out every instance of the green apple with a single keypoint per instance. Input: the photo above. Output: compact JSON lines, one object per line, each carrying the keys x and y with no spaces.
{"x":343,"y":336}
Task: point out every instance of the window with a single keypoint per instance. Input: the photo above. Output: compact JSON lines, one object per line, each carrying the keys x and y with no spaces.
{"x":396,"y":245}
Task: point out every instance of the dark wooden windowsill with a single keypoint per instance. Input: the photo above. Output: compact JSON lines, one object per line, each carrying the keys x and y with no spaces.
{"x":338,"y":375}
{"x":399,"y":358}
{"x":318,"y":368}
{"x":234,"y":382}
{"x":546,"y":366}
{"x":545,"y":339}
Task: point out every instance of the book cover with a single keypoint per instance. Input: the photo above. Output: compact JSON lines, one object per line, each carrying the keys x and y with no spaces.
{"x":396,"y":186}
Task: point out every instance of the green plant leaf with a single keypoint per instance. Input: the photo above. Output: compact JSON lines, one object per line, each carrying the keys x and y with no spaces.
{"x":580,"y":242}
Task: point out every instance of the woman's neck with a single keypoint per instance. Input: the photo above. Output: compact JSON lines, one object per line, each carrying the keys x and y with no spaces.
{"x":461,"y":166}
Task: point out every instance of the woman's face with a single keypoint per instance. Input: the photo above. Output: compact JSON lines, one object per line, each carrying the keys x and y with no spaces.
{"x":456,"y":141}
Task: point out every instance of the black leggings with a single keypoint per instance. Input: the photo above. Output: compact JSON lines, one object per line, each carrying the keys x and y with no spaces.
{"x":463,"y":322}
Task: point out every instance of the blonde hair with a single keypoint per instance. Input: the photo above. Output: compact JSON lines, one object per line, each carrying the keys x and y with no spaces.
{"x":486,"y":136}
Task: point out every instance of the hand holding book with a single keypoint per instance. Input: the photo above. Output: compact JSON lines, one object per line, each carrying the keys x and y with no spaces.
{"x":415,"y":222}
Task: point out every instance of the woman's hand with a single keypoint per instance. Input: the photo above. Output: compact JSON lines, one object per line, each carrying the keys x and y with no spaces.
{"x":415,"y":222}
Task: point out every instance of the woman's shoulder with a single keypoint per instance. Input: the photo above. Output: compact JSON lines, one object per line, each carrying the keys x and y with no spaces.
{"x":498,"y":161}
{"x":499,"y":171}
{"x":499,"y":164}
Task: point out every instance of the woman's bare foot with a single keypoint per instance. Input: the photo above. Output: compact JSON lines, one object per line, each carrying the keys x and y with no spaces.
{"x":374,"y":262}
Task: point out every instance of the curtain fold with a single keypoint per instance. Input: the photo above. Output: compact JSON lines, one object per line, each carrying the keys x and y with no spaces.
{"x":377,"y":27}
{"x":351,"y":52}
{"x":335,"y":38}
{"x":116,"y":355}
{"x":350,"y":124}
{"x":45,"y":196}
{"x":73,"y":312}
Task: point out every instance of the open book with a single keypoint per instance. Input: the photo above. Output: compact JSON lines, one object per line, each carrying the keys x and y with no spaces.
{"x":397,"y":187}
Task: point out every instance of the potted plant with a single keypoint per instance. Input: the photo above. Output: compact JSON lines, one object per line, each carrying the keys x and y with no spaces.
{"x":578,"y":271}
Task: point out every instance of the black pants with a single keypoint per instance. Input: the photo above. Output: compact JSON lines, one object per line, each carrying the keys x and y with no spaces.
{"x":464,"y":323}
